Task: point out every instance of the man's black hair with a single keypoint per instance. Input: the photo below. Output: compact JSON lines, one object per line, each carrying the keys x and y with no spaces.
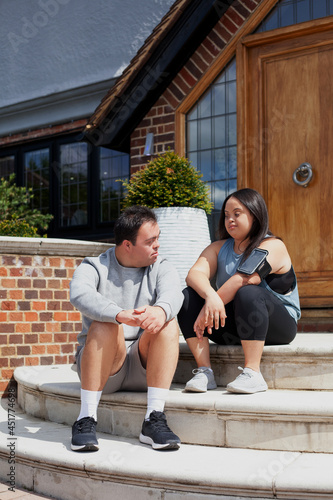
{"x":130,"y":221}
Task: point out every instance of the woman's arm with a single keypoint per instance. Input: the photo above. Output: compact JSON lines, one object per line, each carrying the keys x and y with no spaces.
{"x":277,"y":257}
{"x":198,"y":278}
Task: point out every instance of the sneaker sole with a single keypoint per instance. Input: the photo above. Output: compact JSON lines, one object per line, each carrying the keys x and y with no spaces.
{"x":236,"y":390}
{"x":86,"y":447}
{"x":174,"y":445}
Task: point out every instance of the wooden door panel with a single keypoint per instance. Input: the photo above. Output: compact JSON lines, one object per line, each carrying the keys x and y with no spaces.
{"x":287,"y":111}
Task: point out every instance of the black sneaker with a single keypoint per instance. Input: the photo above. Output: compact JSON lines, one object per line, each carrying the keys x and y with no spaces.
{"x":84,"y":435}
{"x":157,"y":433}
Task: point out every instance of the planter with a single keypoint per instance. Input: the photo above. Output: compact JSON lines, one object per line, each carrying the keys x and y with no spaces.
{"x":184,"y":234}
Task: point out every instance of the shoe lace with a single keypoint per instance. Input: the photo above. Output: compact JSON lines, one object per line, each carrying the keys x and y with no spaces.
{"x":243,"y":374}
{"x":159,"y":422}
{"x":199,"y":370}
{"x":87,"y":424}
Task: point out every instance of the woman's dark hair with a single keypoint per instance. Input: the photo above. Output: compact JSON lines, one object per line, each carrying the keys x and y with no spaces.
{"x":131,"y":219}
{"x":255,"y":203}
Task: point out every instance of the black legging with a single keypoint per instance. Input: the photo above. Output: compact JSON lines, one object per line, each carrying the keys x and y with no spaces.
{"x":254,"y":314}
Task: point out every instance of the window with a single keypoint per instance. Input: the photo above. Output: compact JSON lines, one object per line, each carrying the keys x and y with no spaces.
{"x":113,"y":167}
{"x":36,"y":174}
{"x":211,"y":137}
{"x":7,"y":166}
{"x":74,"y":181}
{"x":73,"y":184}
{"x":289,"y":12}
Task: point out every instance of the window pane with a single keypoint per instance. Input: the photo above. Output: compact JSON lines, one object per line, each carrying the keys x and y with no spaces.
{"x":73,"y":184}
{"x":206,"y":165}
{"x":287,"y":14}
{"x":319,"y":9}
{"x":36,"y":172}
{"x":7,"y":166}
{"x":219,"y":131}
{"x":231,"y":97}
{"x":192,"y":135}
{"x":220,"y":163}
{"x":232,"y":130}
{"x":204,"y":107}
{"x":205,"y":134}
{"x":302,"y":11}
{"x":218,"y":100}
{"x":113,"y":167}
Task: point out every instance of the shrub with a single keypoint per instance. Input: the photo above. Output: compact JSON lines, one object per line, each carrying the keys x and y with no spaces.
{"x":17,"y":228}
{"x":168,"y":181}
{"x":15,"y":206}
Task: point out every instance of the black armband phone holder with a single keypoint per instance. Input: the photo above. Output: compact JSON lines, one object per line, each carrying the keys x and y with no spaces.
{"x":256,"y":263}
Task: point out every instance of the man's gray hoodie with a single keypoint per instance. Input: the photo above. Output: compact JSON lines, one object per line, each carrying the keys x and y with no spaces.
{"x":101,"y":288}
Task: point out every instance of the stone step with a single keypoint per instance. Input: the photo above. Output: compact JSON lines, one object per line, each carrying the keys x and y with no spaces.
{"x":283,"y":420}
{"x":305,"y":364}
{"x":124,"y":468}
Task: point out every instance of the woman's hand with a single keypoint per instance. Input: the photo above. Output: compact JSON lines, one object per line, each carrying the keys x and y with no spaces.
{"x":212,"y":315}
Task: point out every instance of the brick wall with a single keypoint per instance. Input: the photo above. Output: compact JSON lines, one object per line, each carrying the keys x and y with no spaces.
{"x":38,"y":324}
{"x":161,"y":118}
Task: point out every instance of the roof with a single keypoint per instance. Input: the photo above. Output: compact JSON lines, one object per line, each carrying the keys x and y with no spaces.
{"x":157,"y":62}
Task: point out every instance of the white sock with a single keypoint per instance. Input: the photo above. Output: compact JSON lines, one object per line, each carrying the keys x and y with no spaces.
{"x":89,"y":403}
{"x":206,"y":368}
{"x":156,"y":398}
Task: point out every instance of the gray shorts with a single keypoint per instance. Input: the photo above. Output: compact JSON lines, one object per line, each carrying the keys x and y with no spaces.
{"x":131,"y":376}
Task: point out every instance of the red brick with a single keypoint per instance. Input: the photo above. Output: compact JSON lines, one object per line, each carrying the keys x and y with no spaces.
{"x":53,"y":306}
{"x":53,"y":349}
{"x":31,"y":316}
{"x":4,"y":362}
{"x":31,"y":338}
{"x":25,"y":261}
{"x":67,"y":306}
{"x":16,"y":294}
{"x":55,"y":261}
{"x":60,"y":273}
{"x":250,"y":4}
{"x":7,"y":328}
{"x":46,"y":294}
{"x":61,"y":295}
{"x":53,"y":284}
{"x":3,"y":271}
{"x":38,"y":306}
{"x":7,"y":374}
{"x":46,"y":338}
{"x":8,"y":351}
{"x":16,"y":339}
{"x":31,"y":361}
{"x":61,"y":360}
{"x":22,"y":327}
{"x":46,"y":360}
{"x":31,"y":294}
{"x":8,"y":260}
{"x":67,"y":327}
{"x":69,"y":262}
{"x":16,"y":271}
{"x":24,"y":283}
{"x":24,"y":306}
{"x":38,"y":327}
{"x":14,"y":362}
{"x":15,"y":316}
{"x":3,"y":317}
{"x":8,"y":283}
{"x":3,"y":294}
{"x":23,"y":350}
{"x":67,"y":349}
{"x":61,"y":337}
{"x":60,"y":316}
{"x":38,"y":349}
{"x":39,"y":283}
{"x":46,"y":316}
{"x":74,"y":316}
{"x":53,"y":327}
{"x":211,"y":47}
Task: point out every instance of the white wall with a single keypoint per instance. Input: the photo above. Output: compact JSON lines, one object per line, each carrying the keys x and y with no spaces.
{"x":61,"y":55}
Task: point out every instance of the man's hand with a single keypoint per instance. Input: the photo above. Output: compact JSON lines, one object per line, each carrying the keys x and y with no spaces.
{"x":150,"y":318}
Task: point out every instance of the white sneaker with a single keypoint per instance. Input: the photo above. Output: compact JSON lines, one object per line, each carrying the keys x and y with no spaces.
{"x":248,"y":382}
{"x":202,"y":381}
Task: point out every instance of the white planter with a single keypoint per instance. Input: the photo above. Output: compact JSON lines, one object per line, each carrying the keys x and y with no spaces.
{"x":184,"y":234}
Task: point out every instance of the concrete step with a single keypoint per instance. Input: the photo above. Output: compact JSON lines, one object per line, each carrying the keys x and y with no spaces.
{"x":305,"y":364}
{"x":282,"y":420}
{"x":124,"y":468}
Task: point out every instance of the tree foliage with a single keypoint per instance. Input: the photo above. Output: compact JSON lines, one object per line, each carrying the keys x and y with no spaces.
{"x":168,"y":181}
{"x":16,"y":211}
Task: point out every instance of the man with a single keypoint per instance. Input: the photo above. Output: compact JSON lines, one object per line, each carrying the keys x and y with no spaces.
{"x":129,"y":298}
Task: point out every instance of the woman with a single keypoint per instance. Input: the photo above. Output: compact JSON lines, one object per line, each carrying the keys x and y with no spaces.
{"x":244,"y":308}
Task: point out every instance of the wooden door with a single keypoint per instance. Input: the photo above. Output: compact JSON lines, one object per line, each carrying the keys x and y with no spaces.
{"x":285,"y":118}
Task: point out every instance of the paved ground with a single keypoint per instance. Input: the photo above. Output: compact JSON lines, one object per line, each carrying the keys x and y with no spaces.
{"x":18,"y":494}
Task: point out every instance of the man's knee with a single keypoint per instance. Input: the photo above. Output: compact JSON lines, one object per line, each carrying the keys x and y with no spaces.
{"x":103,"y":331}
